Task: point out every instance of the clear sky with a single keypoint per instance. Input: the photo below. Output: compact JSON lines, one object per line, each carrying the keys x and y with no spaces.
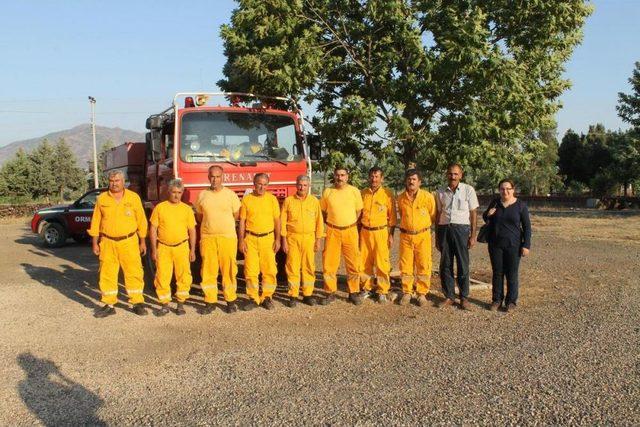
{"x":133,"y":56}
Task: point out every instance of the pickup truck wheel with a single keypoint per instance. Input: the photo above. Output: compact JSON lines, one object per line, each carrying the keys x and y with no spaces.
{"x":53,"y":235}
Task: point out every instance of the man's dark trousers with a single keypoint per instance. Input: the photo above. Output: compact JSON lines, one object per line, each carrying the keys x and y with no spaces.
{"x":453,"y":240}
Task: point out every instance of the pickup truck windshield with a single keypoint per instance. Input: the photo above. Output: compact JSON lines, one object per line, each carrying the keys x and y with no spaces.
{"x":208,"y":136}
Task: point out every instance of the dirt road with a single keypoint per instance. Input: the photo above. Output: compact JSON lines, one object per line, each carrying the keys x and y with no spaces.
{"x":569,"y":355}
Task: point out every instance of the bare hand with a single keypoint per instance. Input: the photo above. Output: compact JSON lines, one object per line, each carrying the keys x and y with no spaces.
{"x":472,"y":242}
{"x":276,"y":245}
{"x":390,"y":240}
{"x":96,"y":249}
{"x":491,"y":212}
{"x":316,"y":245}
{"x":524,"y":252}
{"x":154,"y":256}
{"x":143,"y":247}
{"x":285,"y":246}
{"x":242,"y":246}
{"x":192,"y":256}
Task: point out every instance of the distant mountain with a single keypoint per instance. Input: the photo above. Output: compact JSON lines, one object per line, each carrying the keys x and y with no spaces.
{"x":79,"y":139}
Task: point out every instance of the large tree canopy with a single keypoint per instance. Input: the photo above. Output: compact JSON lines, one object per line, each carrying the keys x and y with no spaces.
{"x":629,"y":104}
{"x":431,"y":81}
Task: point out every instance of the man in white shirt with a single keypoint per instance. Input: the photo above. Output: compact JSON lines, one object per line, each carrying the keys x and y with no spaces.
{"x":456,"y":233}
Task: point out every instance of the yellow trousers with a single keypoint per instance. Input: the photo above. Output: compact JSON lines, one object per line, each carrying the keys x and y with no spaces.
{"x":260,"y":258}
{"x":301,"y":258}
{"x":113,"y":255}
{"x":339,"y":242}
{"x":219,"y":256}
{"x":170,"y":259}
{"x":415,"y":254}
{"x":374,"y":250}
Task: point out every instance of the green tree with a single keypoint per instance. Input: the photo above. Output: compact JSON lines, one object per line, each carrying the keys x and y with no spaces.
{"x":43,"y":181}
{"x":16,"y":175}
{"x":624,"y":148}
{"x":629,"y":104}
{"x":433,"y":81}
{"x":69,"y":176}
{"x":539,"y":174}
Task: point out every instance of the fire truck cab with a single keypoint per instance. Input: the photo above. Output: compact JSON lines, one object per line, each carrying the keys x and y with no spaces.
{"x":245,"y":134}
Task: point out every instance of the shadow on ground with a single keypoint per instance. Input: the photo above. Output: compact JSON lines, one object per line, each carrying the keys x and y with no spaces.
{"x":53,"y":398}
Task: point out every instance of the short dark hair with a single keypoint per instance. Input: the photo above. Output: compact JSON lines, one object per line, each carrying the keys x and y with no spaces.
{"x":341,"y":168}
{"x":376,"y":169}
{"x":411,"y":172}
{"x":260,"y":175}
{"x":509,"y":180}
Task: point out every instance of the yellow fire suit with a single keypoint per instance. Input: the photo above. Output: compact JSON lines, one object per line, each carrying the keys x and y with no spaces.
{"x":218,"y":242}
{"x":342,"y":208}
{"x":378,"y":215}
{"x":416,"y":217}
{"x":301,"y":225}
{"x":259,"y":213}
{"x":173,"y":220}
{"x":119,"y":223}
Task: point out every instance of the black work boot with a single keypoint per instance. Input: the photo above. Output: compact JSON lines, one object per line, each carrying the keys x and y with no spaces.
{"x":105,"y":311}
{"x":139,"y":309}
{"x":309,"y":300}
{"x":292,"y":302}
{"x":209,"y":308}
{"x":268,"y":304}
{"x":232,"y":307}
{"x":180,"y":309}
{"x":355,"y":298}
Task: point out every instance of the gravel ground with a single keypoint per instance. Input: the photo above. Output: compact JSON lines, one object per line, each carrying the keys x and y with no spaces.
{"x":568,"y":355}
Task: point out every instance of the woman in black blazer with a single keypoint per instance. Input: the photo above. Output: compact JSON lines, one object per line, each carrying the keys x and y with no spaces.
{"x":509,"y":239}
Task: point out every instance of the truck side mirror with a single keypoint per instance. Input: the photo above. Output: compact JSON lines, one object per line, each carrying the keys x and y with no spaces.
{"x":315,"y":146}
{"x":155,"y":122}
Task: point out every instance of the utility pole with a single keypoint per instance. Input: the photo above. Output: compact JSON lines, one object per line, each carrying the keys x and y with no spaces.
{"x":92,"y":102}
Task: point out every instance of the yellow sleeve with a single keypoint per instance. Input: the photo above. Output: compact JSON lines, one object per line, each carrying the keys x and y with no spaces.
{"x":319,"y":222}
{"x":392,"y":214}
{"x":235,"y":202}
{"x":155,"y":216}
{"x":358,"y":199}
{"x":275,"y":206}
{"x":323,"y":199}
{"x":284,"y":217}
{"x":191,"y":218}
{"x":198,"y":204}
{"x":94,"y":229}
{"x":432,"y":207}
{"x":141,"y":218}
{"x":243,"y":208}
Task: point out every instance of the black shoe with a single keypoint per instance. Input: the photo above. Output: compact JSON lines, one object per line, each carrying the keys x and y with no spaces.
{"x":292,"y":302}
{"x":250,"y":306}
{"x":180,"y":309}
{"x":268,"y":304}
{"x":355,"y":298}
{"x":511,"y":307}
{"x":232,"y":307}
{"x":163,"y":310}
{"x":209,"y":308}
{"x":105,"y":311}
{"x":328,"y":299}
{"x":139,"y":309}
{"x":310,"y":300}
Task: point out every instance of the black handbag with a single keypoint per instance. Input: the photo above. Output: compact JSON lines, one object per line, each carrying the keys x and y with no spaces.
{"x":483,"y":233}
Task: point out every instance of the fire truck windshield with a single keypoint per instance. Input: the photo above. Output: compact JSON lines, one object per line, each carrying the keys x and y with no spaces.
{"x":210,"y":136}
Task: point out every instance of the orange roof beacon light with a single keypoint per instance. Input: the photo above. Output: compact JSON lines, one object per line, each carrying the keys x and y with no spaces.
{"x":188,"y":102}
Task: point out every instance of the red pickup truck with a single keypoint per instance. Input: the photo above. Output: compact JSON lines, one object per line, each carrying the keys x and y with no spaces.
{"x":56,"y":224}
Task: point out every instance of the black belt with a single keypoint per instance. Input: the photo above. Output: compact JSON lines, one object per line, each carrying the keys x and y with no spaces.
{"x":341,"y":228}
{"x":412,"y":232}
{"x":382,"y":227}
{"x":172,"y":246}
{"x":259,"y":234}
{"x":118,"y":238}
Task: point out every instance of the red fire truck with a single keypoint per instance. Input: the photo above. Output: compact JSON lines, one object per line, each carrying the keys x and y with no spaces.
{"x":246,"y":134}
